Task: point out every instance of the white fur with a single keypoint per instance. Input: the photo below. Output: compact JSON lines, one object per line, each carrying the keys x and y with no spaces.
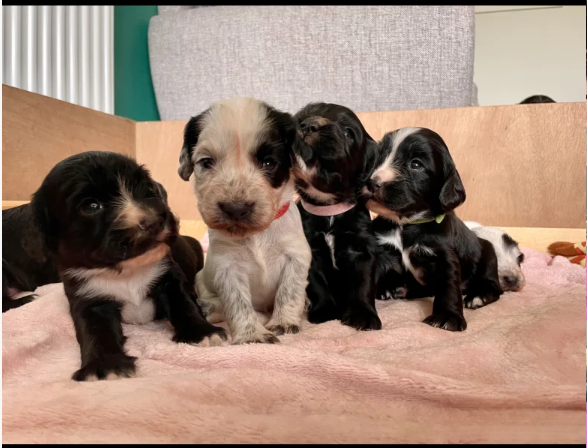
{"x":330,"y":242}
{"x":130,"y":288}
{"x":398,"y":137}
{"x":394,"y":238}
{"x":507,"y":256}
{"x":267,"y":270}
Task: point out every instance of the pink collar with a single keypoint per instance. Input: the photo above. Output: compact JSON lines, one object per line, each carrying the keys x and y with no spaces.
{"x":327,"y":210}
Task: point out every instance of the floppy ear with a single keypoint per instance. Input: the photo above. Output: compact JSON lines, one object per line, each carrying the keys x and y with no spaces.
{"x":452,"y":193}
{"x":284,"y":123}
{"x":370,"y":159}
{"x":191,"y":133}
{"x":162,"y":191}
{"x":46,"y":224}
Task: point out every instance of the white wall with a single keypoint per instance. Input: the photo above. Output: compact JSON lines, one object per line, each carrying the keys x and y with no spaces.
{"x":529,"y":52}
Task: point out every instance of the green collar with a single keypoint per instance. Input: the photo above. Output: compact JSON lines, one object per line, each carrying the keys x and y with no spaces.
{"x":438,"y":219}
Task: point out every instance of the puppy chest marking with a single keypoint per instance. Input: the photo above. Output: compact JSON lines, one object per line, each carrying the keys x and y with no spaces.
{"x":130,"y":288}
{"x":330,"y":242}
{"x":394,"y":238}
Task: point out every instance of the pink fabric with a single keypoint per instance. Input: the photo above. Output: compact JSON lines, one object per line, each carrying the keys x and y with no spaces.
{"x":327,"y":210}
{"x":515,"y":375}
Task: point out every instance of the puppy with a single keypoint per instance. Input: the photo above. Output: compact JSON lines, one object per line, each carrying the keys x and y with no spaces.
{"x":509,"y":255}
{"x":414,"y":189}
{"x":331,"y":154}
{"x":258,"y":259}
{"x":110,"y":232}
{"x":26,"y":262}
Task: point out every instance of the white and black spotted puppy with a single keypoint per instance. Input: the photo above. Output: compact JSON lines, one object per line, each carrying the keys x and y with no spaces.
{"x":114,"y":241}
{"x":414,"y":189}
{"x":509,"y":255}
{"x":239,"y":153}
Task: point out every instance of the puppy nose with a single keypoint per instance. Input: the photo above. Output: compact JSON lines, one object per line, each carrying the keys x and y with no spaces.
{"x":309,"y":126}
{"x":152,"y":224}
{"x":374,"y":184}
{"x":510,"y":281}
{"x":237,"y":211}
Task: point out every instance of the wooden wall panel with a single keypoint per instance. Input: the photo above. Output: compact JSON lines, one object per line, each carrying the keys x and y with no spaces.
{"x":38,"y":132}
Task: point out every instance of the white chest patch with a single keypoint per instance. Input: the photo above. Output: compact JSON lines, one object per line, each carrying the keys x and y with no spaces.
{"x":330,"y":242}
{"x":130,"y":288}
{"x":394,"y":238}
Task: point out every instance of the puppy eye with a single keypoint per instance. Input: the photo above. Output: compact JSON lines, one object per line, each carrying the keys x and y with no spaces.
{"x":152,"y":192}
{"x":520,"y":258}
{"x":416,"y":165}
{"x":269,"y":164}
{"x":206,"y":163}
{"x":349,"y":133}
{"x":91,"y":207}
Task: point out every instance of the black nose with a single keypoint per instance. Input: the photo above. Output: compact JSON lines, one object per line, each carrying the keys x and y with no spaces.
{"x":374,"y":184}
{"x":237,"y":211}
{"x":153,"y":224}
{"x":309,"y":126}
{"x":510,"y":281}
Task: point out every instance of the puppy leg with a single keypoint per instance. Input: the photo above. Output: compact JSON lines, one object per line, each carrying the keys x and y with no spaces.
{"x":174,"y":293}
{"x":323,"y":306}
{"x":484,"y":287}
{"x":447,"y":309}
{"x":208,"y":301}
{"x":234,"y":292}
{"x":390,"y":277}
{"x":358,"y":274}
{"x":290,"y":299}
{"x":98,"y":331}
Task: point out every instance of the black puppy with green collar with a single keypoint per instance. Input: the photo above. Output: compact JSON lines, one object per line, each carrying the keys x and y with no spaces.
{"x":425,"y":249}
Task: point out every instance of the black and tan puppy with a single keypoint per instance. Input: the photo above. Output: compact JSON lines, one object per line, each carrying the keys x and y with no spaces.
{"x":332,"y":153}
{"x":414,"y":189}
{"x":110,"y":231}
{"x":27,"y":263}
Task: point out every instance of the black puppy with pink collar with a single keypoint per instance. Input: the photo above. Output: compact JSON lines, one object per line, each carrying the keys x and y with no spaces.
{"x":332,"y":158}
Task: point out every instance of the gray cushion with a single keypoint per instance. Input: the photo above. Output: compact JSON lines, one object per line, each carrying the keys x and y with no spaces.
{"x":368,"y":58}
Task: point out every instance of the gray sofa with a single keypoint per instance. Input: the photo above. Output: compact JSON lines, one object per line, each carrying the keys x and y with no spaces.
{"x":369,"y":58}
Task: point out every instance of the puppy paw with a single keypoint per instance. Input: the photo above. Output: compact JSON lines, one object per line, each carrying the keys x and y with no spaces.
{"x":280,"y":329}
{"x":362,"y":318}
{"x":205,"y":337}
{"x":450,"y":322}
{"x":385,"y":295}
{"x":259,"y":337}
{"x":474,"y":302}
{"x":111,"y":367}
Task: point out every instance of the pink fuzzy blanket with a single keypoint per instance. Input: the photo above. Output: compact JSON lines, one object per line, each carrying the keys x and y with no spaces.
{"x":515,"y":375}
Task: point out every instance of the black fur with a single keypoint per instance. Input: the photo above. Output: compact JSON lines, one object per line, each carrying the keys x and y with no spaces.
{"x":340,"y":152}
{"x":26,"y":262}
{"x":76,"y":210}
{"x":448,"y":258}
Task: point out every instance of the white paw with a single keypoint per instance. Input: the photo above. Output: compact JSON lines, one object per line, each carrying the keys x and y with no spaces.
{"x":385,"y":296}
{"x":211,"y":341}
{"x":258,"y":337}
{"x":477,"y":302}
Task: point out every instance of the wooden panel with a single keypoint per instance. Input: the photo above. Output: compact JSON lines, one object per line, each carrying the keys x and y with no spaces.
{"x":522,"y":165}
{"x":158,"y":147}
{"x":38,"y":132}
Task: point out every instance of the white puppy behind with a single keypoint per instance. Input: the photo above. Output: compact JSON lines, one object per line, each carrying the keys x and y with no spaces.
{"x":509,"y":255}
{"x":239,"y":151}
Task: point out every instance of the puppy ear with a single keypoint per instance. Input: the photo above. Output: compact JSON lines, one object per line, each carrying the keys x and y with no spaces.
{"x":191,"y":134}
{"x":284,"y":122}
{"x":45,"y":223}
{"x":370,"y":159}
{"x":162,"y":191}
{"x":452,"y":193}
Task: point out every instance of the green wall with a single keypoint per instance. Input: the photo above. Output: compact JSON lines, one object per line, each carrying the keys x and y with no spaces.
{"x":134,"y":97}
